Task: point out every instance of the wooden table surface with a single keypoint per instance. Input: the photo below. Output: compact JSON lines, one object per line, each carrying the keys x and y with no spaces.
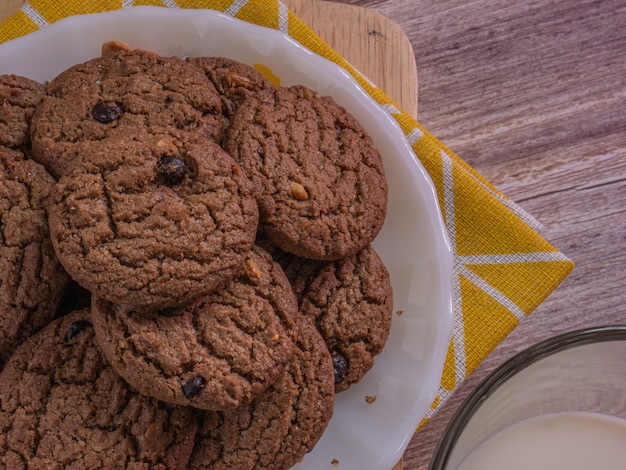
{"x":532,"y":95}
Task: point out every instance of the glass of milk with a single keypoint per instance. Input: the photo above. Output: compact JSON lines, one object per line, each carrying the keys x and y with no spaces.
{"x":560,"y":404}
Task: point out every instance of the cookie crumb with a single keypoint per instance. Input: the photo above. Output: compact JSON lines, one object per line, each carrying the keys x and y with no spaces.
{"x":399,"y":312}
{"x":370,"y":399}
{"x":334,"y":462}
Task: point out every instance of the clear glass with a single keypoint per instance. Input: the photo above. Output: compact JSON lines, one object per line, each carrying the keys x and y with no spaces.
{"x":584,"y":370}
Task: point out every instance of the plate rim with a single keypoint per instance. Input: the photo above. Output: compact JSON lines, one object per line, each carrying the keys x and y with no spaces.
{"x":446,"y":320}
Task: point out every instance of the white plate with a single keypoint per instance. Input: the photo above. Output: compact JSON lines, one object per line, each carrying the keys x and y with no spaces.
{"x":413,"y":242}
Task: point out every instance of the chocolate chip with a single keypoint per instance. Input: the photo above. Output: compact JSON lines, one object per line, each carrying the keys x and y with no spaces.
{"x":193,"y":387}
{"x":340,"y":366}
{"x":106,"y":112}
{"x":75,"y":328}
{"x":172,"y":169}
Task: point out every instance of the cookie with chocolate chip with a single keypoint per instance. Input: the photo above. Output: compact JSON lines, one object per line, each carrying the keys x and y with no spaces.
{"x":63,"y":406}
{"x":319,"y":180}
{"x":215,"y":353}
{"x":32,"y":281}
{"x":19,"y":96}
{"x":350,"y":301}
{"x":234,"y":81}
{"x":153,"y":221}
{"x":122,"y":89}
{"x":278,"y":428}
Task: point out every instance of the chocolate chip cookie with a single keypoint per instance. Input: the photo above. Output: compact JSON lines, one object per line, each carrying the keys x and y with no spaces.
{"x":281,"y":426}
{"x":320,"y":182}
{"x":95,"y":99}
{"x":19,"y":96}
{"x":216,"y":353}
{"x":233,"y":80}
{"x":63,"y":406}
{"x":32,"y":281}
{"x":153,"y":221}
{"x":350,"y":302}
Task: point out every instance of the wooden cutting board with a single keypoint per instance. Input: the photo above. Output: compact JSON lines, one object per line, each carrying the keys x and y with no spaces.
{"x":374,"y":44}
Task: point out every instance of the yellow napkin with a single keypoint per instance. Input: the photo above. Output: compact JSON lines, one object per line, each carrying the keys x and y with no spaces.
{"x":503,"y":269}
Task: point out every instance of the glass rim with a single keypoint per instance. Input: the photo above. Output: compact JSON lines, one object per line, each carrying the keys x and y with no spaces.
{"x":507,"y":369}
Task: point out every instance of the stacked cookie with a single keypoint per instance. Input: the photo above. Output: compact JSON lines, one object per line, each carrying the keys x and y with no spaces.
{"x":32,"y":281}
{"x":220,"y":227}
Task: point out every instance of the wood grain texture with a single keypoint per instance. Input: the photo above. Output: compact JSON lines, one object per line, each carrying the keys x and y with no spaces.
{"x":375,"y":45}
{"x":532,"y":95}
{"x":8,"y":7}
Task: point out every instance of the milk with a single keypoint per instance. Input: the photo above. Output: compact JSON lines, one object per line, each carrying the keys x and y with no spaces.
{"x":568,"y":441}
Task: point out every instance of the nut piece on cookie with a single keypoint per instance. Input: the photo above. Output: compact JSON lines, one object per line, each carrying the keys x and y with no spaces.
{"x":110,"y":47}
{"x":234,"y":81}
{"x":298,"y":192}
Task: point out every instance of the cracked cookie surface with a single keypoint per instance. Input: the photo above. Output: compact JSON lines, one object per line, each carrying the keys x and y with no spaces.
{"x":32,"y":281}
{"x":121,"y":89}
{"x":319,"y":180}
{"x":152,"y":221}
{"x":215,"y":353}
{"x":19,"y":96}
{"x":62,"y":406}
{"x":350,"y":301}
{"x":234,"y":81}
{"x":278,"y":428}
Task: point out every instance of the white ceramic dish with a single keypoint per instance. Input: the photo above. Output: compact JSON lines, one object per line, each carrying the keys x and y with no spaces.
{"x":412,"y":243}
